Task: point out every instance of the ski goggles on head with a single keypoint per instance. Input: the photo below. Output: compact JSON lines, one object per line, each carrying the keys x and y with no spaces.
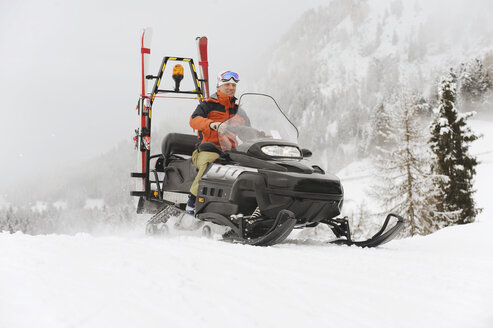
{"x":226,"y":76}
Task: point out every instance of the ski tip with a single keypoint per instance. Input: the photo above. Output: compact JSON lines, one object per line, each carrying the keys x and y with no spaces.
{"x":147,"y":31}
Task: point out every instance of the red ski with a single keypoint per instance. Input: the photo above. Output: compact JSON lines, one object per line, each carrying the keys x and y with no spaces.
{"x":142,"y":138}
{"x":203,"y":64}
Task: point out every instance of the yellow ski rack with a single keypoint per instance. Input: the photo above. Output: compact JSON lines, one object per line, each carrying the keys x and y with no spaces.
{"x":145,"y":107}
{"x":155,"y":90}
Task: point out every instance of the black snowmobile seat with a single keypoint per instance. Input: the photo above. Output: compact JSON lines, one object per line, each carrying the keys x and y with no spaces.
{"x":179,"y":144}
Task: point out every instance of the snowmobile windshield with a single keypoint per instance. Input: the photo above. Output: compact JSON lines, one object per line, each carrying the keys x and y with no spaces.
{"x":259,"y":118}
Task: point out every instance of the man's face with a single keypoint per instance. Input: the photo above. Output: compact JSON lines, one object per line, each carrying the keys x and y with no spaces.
{"x":228,"y":89}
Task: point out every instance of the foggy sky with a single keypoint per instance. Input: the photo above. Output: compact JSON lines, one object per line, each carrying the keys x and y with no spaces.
{"x":70,"y":69}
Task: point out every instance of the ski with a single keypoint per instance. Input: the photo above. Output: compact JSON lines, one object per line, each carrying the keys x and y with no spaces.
{"x":142,"y":138}
{"x":340,"y":227}
{"x":203,"y":64}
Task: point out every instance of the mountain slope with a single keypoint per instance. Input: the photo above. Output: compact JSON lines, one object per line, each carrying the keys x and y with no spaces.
{"x":339,"y":62}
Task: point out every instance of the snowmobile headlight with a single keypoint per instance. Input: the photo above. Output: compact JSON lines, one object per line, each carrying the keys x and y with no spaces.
{"x":281,"y":151}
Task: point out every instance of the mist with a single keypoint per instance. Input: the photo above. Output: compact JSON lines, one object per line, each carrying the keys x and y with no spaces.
{"x":70,"y":70}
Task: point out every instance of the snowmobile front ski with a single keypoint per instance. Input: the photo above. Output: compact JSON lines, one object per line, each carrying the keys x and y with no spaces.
{"x":340,"y":227}
{"x":243,"y":230}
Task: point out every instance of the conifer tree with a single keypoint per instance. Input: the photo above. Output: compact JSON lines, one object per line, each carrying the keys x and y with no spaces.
{"x":405,"y":183}
{"x":379,"y":126}
{"x":450,"y":142}
{"x":474,"y":82}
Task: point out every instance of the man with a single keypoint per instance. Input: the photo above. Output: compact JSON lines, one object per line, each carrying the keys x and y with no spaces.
{"x":206,"y":120}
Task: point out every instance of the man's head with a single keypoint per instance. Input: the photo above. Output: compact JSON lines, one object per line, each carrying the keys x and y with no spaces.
{"x":226,"y":82}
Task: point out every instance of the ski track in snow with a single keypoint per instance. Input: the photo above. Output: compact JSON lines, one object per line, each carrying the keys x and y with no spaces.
{"x":441,"y":280}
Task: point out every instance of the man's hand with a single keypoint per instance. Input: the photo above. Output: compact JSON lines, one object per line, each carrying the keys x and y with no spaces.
{"x":214,"y":125}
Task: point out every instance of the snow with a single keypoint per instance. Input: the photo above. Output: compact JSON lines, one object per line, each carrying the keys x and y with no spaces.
{"x":356,"y":179}
{"x":483,"y":149}
{"x":39,"y":206}
{"x":60,"y":205}
{"x":85,"y":281}
{"x":94,"y":203}
{"x":441,"y":280}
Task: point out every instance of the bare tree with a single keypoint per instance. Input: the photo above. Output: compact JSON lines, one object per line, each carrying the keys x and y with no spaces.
{"x":404,"y":179}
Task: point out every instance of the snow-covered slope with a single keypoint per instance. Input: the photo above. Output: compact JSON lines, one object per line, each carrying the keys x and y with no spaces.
{"x":441,"y":280}
{"x":61,"y":281}
{"x":341,"y":61}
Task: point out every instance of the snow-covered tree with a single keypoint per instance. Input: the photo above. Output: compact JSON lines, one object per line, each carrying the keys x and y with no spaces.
{"x":404,"y":179}
{"x":379,"y":128}
{"x":474,"y":82}
{"x":450,"y":141}
{"x":6,"y":220}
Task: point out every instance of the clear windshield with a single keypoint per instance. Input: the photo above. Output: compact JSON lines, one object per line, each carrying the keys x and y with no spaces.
{"x":258,"y":118}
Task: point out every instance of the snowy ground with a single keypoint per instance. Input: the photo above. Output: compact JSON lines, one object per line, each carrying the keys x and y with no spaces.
{"x":441,"y":280}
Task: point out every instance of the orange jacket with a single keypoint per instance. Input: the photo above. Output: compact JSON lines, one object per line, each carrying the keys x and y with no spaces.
{"x":218,"y":108}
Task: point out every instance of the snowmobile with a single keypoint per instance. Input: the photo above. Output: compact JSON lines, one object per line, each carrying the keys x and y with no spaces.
{"x":261,"y":187}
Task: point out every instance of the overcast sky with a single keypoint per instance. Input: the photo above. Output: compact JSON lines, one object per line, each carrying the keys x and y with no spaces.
{"x":70,"y":69}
